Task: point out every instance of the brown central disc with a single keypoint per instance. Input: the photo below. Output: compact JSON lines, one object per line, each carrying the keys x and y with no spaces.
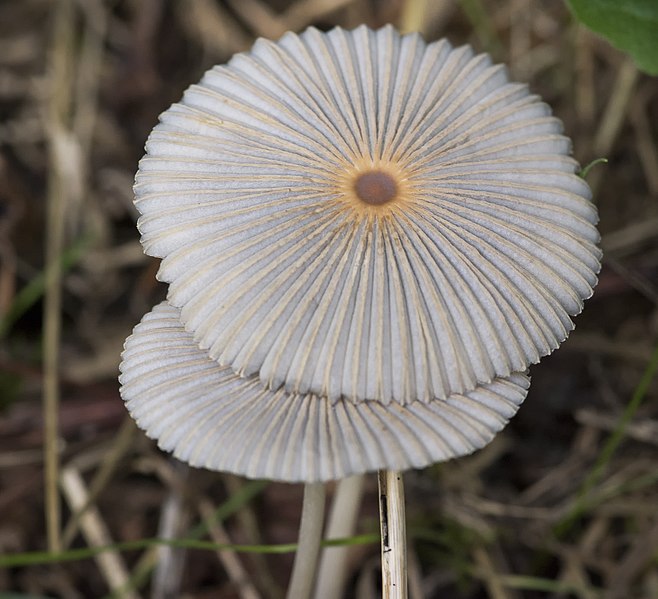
{"x":375,"y":187}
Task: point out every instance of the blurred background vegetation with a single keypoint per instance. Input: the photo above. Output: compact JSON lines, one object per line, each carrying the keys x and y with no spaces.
{"x":564,"y":503}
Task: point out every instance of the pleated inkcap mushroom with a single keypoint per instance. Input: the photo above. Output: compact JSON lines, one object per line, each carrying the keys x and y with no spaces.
{"x":210,"y":417}
{"x":367,"y":240}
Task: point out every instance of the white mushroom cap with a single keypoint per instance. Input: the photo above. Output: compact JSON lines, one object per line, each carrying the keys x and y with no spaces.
{"x":210,"y":417}
{"x":362,"y":215}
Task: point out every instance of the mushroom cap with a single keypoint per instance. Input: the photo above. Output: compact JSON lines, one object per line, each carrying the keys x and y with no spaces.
{"x":210,"y":417}
{"x":362,"y":215}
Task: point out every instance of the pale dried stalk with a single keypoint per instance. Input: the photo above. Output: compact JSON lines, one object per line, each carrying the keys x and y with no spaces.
{"x":614,"y":116}
{"x":616,"y":109}
{"x":56,"y":116}
{"x":310,"y":537}
{"x":120,"y":445}
{"x":229,"y":560}
{"x":110,"y":563}
{"x":394,"y":534}
{"x":490,"y":577}
{"x":250,"y":527}
{"x":412,"y":16}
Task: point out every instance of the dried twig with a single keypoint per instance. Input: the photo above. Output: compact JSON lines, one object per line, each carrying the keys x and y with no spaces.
{"x":394,"y":535}
{"x":229,"y":560}
{"x":59,"y":181}
{"x":95,"y":532}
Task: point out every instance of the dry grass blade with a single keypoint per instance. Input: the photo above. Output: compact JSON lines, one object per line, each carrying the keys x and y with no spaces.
{"x":413,"y":15}
{"x":210,"y":24}
{"x":392,"y":522}
{"x":109,"y":464}
{"x":58,"y":189}
{"x":238,"y":575}
{"x":247,"y":519}
{"x":614,"y":116}
{"x":260,"y":18}
{"x":96,"y":533}
{"x":640,"y":557}
{"x":491,"y":577}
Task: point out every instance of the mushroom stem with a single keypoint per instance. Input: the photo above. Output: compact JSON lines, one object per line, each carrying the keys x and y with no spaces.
{"x":332,"y":572}
{"x":394,"y":534}
{"x":308,"y":546}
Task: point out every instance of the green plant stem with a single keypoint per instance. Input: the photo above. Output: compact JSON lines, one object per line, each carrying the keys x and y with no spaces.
{"x":609,"y":448}
{"x":310,"y":539}
{"x":148,"y":560}
{"x":393,"y":535}
{"x":32,"y":558}
{"x":34,"y":289}
{"x":586,"y":169}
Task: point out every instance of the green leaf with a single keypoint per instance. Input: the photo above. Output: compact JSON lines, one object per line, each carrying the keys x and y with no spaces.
{"x":630,"y":25}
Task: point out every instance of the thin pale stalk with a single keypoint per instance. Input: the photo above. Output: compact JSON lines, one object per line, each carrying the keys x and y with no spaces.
{"x":95,"y":532}
{"x":393,"y":534}
{"x":342,"y":521}
{"x":120,"y":445}
{"x":56,"y":114}
{"x":413,"y":15}
{"x":310,"y":537}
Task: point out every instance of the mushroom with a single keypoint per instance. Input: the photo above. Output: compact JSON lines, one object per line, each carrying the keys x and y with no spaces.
{"x":211,"y":417}
{"x":363,"y":215}
{"x":367,"y":240}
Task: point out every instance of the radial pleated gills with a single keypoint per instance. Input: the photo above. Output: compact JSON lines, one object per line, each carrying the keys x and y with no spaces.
{"x":210,"y":417}
{"x":364,"y":216}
